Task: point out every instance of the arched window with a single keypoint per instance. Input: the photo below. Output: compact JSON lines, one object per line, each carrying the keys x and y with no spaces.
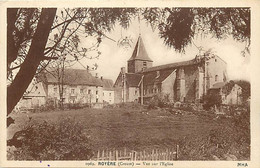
{"x":216,"y":78}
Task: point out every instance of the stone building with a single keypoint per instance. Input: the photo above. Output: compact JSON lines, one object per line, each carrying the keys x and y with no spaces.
{"x":79,"y":86}
{"x":185,"y":81}
{"x":230,"y":95}
{"x":33,"y":98}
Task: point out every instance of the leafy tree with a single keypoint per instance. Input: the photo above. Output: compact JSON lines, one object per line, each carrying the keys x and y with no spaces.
{"x":178,"y":26}
{"x":22,"y":30}
{"x":30,"y":49}
{"x":36,"y":37}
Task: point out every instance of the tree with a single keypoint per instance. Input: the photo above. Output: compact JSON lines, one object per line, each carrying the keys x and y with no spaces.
{"x":29,"y":47}
{"x":31,"y":50}
{"x":178,"y":26}
{"x":35,"y":54}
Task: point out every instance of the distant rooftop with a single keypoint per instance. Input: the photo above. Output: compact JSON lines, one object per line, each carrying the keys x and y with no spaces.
{"x":107,"y":84}
{"x":76,"y":77}
{"x":218,"y":85}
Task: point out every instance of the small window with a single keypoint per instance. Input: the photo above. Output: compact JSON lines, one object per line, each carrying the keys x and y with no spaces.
{"x":89,"y":91}
{"x":144,"y":64}
{"x":216,"y":60}
{"x":72,"y":91}
{"x":96,"y":100}
{"x":109,"y":94}
{"x":81,"y":91}
{"x":136,"y":92}
{"x":216,"y":78}
{"x":96,"y":92}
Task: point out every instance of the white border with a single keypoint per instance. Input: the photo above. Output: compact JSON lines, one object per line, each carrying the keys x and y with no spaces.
{"x":254,"y":68}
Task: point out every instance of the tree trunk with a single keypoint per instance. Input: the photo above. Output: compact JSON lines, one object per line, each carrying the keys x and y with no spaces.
{"x":12,"y":50}
{"x":36,"y":52}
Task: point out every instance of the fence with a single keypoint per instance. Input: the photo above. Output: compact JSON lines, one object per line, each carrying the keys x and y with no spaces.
{"x":152,"y":155}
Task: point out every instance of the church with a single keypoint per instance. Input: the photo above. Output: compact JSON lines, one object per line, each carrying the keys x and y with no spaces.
{"x":185,"y":81}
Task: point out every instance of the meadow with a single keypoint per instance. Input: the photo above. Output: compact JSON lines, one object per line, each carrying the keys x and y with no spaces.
{"x":132,"y":128}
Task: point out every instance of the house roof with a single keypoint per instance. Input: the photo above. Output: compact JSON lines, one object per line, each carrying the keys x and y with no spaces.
{"x":133,"y":79}
{"x":139,"y":52}
{"x":74,"y":77}
{"x":107,"y":84}
{"x":172,"y":65}
{"x":150,"y":78}
{"x":218,"y":85}
{"x":35,"y":90}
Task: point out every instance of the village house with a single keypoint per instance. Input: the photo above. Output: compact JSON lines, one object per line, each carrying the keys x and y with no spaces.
{"x":79,"y":86}
{"x":230,"y":95}
{"x":34,"y":97}
{"x":185,"y":81}
{"x":108,"y":91}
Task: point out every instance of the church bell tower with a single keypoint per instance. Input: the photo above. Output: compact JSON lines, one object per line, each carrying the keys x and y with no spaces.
{"x":140,"y":59}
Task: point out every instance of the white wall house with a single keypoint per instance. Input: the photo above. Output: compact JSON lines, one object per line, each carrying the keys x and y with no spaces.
{"x":108,"y":91}
{"x":79,"y":86}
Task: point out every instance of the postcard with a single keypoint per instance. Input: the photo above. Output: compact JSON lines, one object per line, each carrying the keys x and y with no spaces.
{"x":130,"y":84}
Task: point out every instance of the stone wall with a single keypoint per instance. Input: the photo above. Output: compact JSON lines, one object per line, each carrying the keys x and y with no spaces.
{"x":191,"y":76}
{"x":216,"y":71}
{"x":167,"y":86}
{"x":133,"y":94}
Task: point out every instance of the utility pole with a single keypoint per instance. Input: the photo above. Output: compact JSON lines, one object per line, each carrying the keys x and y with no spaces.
{"x":142,"y":90}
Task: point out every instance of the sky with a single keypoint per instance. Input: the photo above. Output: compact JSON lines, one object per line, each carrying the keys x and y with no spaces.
{"x":113,"y":57}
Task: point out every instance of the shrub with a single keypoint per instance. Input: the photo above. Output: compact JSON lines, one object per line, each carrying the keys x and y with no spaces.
{"x":232,"y":138}
{"x":159,"y":100}
{"x":45,"y":141}
{"x":213,"y":98}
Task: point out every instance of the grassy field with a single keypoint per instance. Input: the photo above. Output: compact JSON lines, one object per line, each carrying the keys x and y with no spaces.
{"x":136,"y":129}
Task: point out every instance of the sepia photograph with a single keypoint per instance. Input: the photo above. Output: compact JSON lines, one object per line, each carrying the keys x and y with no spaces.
{"x":128,"y":86}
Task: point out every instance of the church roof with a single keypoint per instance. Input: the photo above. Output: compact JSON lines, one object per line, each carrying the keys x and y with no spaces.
{"x":172,"y":65}
{"x":133,"y":79}
{"x":150,"y":78}
{"x":139,"y":52}
{"x":74,"y":77}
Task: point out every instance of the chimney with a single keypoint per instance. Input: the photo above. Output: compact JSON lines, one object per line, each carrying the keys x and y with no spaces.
{"x":101,"y":77}
{"x":123,"y":70}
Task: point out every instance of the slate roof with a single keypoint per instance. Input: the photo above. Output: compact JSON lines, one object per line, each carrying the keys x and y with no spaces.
{"x":74,"y":77}
{"x":107,"y":84}
{"x":172,"y":65}
{"x":150,"y":78}
{"x":139,"y":52}
{"x":133,"y":79}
